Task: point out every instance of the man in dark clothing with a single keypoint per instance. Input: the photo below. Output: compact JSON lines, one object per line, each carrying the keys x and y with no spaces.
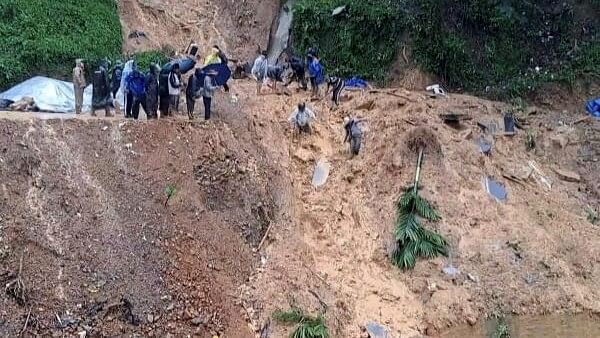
{"x":101,"y":90}
{"x":174,"y":88}
{"x":298,"y":72}
{"x":192,"y":91}
{"x":136,"y":88}
{"x":275,"y":74}
{"x":224,"y":61}
{"x":208,"y":92}
{"x":117,"y":72}
{"x":151,"y":84}
{"x":338,"y":84}
{"x":163,"y":93}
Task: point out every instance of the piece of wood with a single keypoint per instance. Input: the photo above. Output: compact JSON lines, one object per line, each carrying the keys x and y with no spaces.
{"x":262,"y":241}
{"x":583,"y":119}
{"x":567,"y":175}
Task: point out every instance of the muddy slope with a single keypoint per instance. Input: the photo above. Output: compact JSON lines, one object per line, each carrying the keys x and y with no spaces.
{"x":237,"y":26}
{"x":83,"y":202}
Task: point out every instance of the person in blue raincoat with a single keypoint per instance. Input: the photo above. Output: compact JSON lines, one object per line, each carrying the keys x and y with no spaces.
{"x":136,"y":88}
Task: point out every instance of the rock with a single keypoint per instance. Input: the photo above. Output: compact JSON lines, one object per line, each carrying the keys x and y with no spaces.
{"x":375,"y":330}
{"x":150,"y":318}
{"x":82,"y":334}
{"x":303,"y":155}
{"x":197,"y":321}
{"x":170,"y":307}
{"x":473,"y":278}
{"x":471,"y":320}
{"x":559,"y":141}
{"x":567,"y":175}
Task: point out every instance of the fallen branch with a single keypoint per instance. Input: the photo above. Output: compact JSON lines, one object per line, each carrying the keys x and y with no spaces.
{"x":321,"y":301}
{"x":26,"y":322}
{"x":262,"y":241}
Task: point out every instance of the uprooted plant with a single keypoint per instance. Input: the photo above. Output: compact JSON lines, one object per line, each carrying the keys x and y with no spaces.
{"x":307,"y":326}
{"x":16,"y":287}
{"x":412,"y":239}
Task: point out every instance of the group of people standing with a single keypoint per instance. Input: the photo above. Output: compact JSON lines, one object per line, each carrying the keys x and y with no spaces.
{"x":157,"y":90}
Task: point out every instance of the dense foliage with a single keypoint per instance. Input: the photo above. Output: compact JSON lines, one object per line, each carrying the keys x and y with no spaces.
{"x":144,"y":59}
{"x":45,"y":37}
{"x":494,"y":47}
{"x":362,"y":41}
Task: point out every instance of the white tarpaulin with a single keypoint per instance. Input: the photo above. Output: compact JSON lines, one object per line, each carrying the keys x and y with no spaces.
{"x":49,"y":95}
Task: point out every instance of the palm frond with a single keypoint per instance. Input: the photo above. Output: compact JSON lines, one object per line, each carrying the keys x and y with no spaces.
{"x":412,"y":239}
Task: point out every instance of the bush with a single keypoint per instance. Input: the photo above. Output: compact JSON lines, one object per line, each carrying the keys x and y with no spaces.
{"x":363,"y":41}
{"x":498,"y":48}
{"x":45,"y":37}
{"x":144,"y":59}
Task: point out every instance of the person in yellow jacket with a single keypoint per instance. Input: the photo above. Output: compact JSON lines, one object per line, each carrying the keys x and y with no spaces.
{"x":213,"y":57}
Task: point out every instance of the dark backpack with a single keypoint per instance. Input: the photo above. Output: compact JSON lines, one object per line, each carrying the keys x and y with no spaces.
{"x":223,"y":58}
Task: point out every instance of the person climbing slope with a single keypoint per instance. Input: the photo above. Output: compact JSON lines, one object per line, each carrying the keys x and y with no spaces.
{"x":298,"y":68}
{"x":174,"y":88}
{"x":224,"y":60}
{"x":301,"y":118}
{"x":78,"y":84}
{"x":259,"y":70}
{"x":151,"y":84}
{"x":337,"y":84}
{"x":315,"y":73}
{"x":353,"y":134}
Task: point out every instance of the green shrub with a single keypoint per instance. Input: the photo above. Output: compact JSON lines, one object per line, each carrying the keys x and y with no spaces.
{"x":144,"y":59}
{"x":363,"y":42}
{"x":45,"y":37}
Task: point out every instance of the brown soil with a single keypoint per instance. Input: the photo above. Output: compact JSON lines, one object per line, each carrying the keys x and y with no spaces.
{"x":238,"y":27}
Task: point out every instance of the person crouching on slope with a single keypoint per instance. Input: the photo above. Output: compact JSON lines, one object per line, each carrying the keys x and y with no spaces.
{"x":301,"y":118}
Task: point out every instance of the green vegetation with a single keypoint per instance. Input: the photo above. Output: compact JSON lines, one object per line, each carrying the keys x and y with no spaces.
{"x":363,"y":42}
{"x":307,"y":326}
{"x":45,"y":37}
{"x":144,"y":59}
{"x":412,"y":239}
{"x":592,"y":215}
{"x":491,"y":47}
{"x":501,"y":330}
{"x":170,"y":191}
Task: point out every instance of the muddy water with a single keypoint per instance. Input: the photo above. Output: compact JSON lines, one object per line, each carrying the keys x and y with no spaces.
{"x":279,"y":40}
{"x":556,"y":326}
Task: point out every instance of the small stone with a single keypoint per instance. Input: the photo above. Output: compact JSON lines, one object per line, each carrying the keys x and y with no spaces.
{"x":471,"y":320}
{"x":197,"y":321}
{"x":560,"y":141}
{"x":82,"y":334}
{"x":170,"y":307}
{"x":150,"y":318}
{"x":473,"y":278}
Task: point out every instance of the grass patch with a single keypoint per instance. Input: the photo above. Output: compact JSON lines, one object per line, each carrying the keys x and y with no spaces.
{"x":306,"y":326}
{"x":45,"y":37}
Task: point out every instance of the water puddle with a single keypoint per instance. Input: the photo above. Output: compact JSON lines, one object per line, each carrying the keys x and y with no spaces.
{"x":554,"y":326}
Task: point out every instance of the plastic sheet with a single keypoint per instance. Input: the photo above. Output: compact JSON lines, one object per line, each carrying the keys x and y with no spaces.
{"x":321,"y":173}
{"x":49,"y":95}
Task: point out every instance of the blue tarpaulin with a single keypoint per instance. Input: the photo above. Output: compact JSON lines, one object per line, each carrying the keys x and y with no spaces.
{"x":593,"y":107}
{"x":355,"y":82}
